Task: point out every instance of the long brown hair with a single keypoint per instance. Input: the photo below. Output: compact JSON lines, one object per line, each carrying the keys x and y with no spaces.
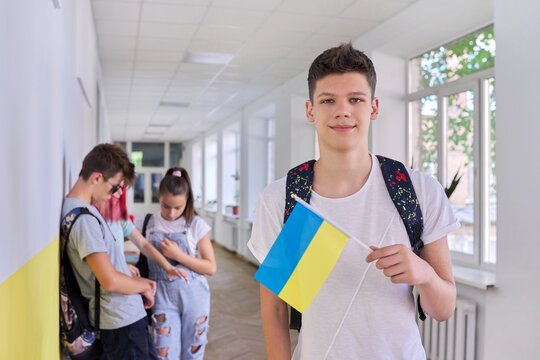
{"x":176,"y":182}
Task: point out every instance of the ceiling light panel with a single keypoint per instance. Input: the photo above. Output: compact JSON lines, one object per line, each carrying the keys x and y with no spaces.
{"x":207,"y":58}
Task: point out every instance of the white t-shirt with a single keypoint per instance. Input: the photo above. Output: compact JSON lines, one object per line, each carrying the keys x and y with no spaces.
{"x":359,"y":313}
{"x":198,"y":229}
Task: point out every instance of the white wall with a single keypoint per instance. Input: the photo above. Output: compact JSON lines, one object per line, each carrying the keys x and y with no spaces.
{"x":389,"y":129}
{"x":47,"y":127}
{"x":513,"y":313}
{"x":44,"y":117}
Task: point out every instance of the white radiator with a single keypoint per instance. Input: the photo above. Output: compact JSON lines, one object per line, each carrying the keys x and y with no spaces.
{"x":453,"y":339}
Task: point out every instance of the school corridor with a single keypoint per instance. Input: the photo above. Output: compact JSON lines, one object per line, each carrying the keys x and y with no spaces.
{"x":219,"y":87}
{"x":235,"y":329}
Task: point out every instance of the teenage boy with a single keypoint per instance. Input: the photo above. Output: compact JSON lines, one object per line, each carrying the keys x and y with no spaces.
{"x":369,"y":313}
{"x":93,"y":254}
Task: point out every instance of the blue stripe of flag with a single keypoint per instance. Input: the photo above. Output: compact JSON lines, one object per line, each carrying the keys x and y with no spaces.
{"x":288,"y":248}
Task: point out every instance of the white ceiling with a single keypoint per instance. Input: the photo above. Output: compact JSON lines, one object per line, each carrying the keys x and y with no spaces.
{"x":143,"y":44}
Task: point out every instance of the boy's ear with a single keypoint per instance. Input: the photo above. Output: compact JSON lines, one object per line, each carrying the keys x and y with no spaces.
{"x":374,"y":108}
{"x":95,"y":177}
{"x":309,"y":111}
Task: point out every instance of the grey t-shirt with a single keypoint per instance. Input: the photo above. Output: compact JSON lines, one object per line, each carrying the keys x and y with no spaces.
{"x":88,"y":237}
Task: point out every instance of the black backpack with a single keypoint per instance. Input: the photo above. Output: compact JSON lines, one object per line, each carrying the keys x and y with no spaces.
{"x":78,"y":337}
{"x":400,"y":189}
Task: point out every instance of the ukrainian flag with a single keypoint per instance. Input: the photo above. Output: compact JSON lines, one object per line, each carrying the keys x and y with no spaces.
{"x":303,"y":255}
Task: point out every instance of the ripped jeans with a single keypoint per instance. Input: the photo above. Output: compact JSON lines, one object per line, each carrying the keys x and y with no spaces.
{"x":180,"y":318}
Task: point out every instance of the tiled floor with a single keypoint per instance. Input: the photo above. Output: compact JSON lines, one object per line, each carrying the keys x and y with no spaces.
{"x":235,"y":324}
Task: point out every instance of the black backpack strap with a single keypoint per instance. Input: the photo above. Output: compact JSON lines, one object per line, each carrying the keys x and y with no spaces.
{"x":97,"y":305}
{"x":401,"y":190}
{"x":299,"y":182}
{"x":66,"y":226}
{"x":142,"y":263}
{"x":145,"y":224}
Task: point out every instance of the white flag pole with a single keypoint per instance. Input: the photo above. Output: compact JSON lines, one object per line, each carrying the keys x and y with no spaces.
{"x":307,"y":206}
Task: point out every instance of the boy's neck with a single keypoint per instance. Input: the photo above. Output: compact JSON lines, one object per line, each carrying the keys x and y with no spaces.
{"x":341,"y":175}
{"x":81,"y":191}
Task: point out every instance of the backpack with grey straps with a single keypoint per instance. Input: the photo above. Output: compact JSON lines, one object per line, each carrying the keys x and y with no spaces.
{"x":79,"y":339}
{"x":400,"y":189}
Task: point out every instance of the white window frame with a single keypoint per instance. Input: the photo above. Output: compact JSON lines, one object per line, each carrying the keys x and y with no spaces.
{"x":478,"y":84}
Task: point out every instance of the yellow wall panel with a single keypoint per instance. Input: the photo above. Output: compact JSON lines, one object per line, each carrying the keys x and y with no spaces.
{"x":29,"y":321}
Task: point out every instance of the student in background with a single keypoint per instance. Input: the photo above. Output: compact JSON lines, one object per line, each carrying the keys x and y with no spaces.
{"x":181,"y":312}
{"x":115,"y":212}
{"x":93,"y":253}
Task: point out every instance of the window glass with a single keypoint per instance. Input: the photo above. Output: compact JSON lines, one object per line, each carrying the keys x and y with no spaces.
{"x":196,"y":175}
{"x":138,"y":189}
{"x":454,"y":60}
{"x":231,"y":169}
{"x":156,"y":179}
{"x":210,"y":166}
{"x":148,"y":154}
{"x":460,"y":168}
{"x":490,"y":255}
{"x":175,"y":154}
{"x":425,"y":134}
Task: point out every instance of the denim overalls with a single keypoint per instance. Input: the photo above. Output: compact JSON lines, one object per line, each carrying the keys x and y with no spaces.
{"x":181,"y":309}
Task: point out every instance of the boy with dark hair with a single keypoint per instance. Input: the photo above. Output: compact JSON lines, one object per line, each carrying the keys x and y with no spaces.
{"x":362,"y":311}
{"x":93,"y":254}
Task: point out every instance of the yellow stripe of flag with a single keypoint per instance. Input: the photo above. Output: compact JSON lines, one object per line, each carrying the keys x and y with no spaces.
{"x":314,"y":267}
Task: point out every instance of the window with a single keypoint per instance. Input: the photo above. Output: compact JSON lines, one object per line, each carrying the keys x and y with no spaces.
{"x":261,"y":149}
{"x":210,"y":167}
{"x":231,"y":169}
{"x":156,"y":180}
{"x":196,"y":176}
{"x":452,"y":136}
{"x":138,"y":189}
{"x":175,"y":154}
{"x":148,"y":154}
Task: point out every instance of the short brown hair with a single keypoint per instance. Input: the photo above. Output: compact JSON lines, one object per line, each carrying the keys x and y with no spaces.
{"x":176,"y":182}
{"x":108,"y":159}
{"x":339,"y":60}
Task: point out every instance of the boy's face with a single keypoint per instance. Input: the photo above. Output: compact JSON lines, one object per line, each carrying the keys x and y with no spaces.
{"x":104,"y":189}
{"x":341,"y":110}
